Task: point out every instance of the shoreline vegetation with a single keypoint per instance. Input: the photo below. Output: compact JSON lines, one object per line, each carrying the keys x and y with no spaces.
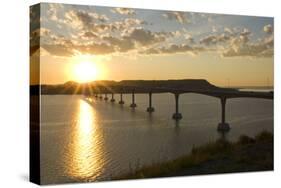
{"x":245,"y":155}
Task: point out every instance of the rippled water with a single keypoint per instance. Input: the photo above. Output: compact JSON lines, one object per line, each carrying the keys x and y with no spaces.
{"x":82,"y":141}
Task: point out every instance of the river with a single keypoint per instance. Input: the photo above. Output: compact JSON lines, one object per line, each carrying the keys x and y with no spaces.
{"x":82,"y":141}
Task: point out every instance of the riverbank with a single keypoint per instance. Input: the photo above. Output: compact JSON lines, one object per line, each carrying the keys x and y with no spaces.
{"x":246,"y":155}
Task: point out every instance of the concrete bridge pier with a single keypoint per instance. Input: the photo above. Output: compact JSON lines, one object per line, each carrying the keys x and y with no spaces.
{"x":105,"y":97}
{"x":112,"y":98}
{"x":133,"y":105}
{"x":177,"y":116}
{"x":150,"y":108}
{"x":100,"y":96}
{"x":121,"y":99}
{"x":223,"y":126}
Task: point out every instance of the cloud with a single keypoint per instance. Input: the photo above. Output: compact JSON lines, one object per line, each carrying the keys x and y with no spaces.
{"x":245,"y":32}
{"x":96,"y":23}
{"x":89,"y":35}
{"x":268,"y":29}
{"x":59,"y":45}
{"x":146,"y":37}
{"x":78,"y":19}
{"x":227,"y":36}
{"x":136,"y":38}
{"x":83,"y":19}
{"x":67,"y":50}
{"x":173,"y":49}
{"x":124,"y":11}
{"x":126,"y":25}
{"x":109,"y":37}
{"x":94,"y":33}
{"x":123,"y":27}
{"x":237,"y":43}
{"x":100,"y":28}
{"x":178,"y":16}
{"x":176,"y":48}
{"x":57,"y":50}
{"x":214,"y":29}
{"x":34,"y":13}
{"x":35,"y":36}
{"x":189,"y":38}
{"x":249,"y":50}
{"x":269,"y":41}
{"x":150,"y":51}
{"x":243,"y":48}
{"x":215,"y":39}
{"x":228,"y":30}
{"x":95,"y":48}
{"x":53,"y":10}
{"x":129,"y":36}
{"x":122,"y":45}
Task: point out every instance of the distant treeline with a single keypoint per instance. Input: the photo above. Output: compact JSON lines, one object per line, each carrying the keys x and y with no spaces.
{"x":125,"y":86}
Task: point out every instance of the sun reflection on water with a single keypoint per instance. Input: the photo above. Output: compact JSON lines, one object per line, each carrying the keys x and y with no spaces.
{"x":86,"y":142}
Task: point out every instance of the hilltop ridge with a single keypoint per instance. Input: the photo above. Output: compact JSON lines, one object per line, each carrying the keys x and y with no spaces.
{"x":126,"y":86}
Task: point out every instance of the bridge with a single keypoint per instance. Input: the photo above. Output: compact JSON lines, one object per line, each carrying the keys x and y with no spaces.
{"x":176,"y":87}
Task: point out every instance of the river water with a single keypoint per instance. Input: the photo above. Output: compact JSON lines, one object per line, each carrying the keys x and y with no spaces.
{"x":97,"y":140}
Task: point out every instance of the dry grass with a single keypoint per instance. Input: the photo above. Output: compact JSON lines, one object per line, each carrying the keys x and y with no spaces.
{"x":247,"y":154}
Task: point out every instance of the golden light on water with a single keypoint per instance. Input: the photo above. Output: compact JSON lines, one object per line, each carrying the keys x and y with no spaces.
{"x":85,"y":151}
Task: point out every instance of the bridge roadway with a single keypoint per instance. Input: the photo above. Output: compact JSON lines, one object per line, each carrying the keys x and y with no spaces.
{"x":221,"y":93}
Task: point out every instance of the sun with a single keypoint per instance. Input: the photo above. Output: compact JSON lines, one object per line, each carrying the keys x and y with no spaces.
{"x":85,"y":71}
{"x":86,"y":68}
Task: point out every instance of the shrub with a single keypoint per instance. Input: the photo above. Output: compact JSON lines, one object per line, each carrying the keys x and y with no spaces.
{"x":244,"y":140}
{"x":264,"y":136}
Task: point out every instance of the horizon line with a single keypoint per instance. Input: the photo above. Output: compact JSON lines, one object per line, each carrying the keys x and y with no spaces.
{"x":89,"y":82}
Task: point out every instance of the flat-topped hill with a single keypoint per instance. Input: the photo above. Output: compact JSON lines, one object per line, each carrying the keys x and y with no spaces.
{"x":127,"y":86}
{"x":176,"y":84}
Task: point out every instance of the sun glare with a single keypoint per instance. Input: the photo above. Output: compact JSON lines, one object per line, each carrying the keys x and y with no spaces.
{"x":85,"y":71}
{"x":86,"y":68}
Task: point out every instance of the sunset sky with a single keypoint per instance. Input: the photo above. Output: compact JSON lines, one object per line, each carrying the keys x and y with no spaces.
{"x":84,"y":43}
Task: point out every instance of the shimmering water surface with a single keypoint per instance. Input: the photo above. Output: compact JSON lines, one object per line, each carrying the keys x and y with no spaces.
{"x":95,"y":141}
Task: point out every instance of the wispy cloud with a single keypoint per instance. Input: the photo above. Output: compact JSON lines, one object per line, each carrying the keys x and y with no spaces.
{"x":177,"y":16}
{"x":268,"y":28}
{"x":124,"y":11}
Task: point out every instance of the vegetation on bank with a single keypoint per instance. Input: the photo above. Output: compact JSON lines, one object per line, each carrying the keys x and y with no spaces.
{"x":245,"y":155}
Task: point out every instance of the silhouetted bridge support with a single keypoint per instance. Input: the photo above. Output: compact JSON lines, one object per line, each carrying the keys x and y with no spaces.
{"x":112,"y":98}
{"x":150,"y":108}
{"x":100,"y":96}
{"x":121,"y":99}
{"x":177,"y":116}
{"x":105,"y":97}
{"x":221,"y":95}
{"x":223,"y":126}
{"x":133,"y":105}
